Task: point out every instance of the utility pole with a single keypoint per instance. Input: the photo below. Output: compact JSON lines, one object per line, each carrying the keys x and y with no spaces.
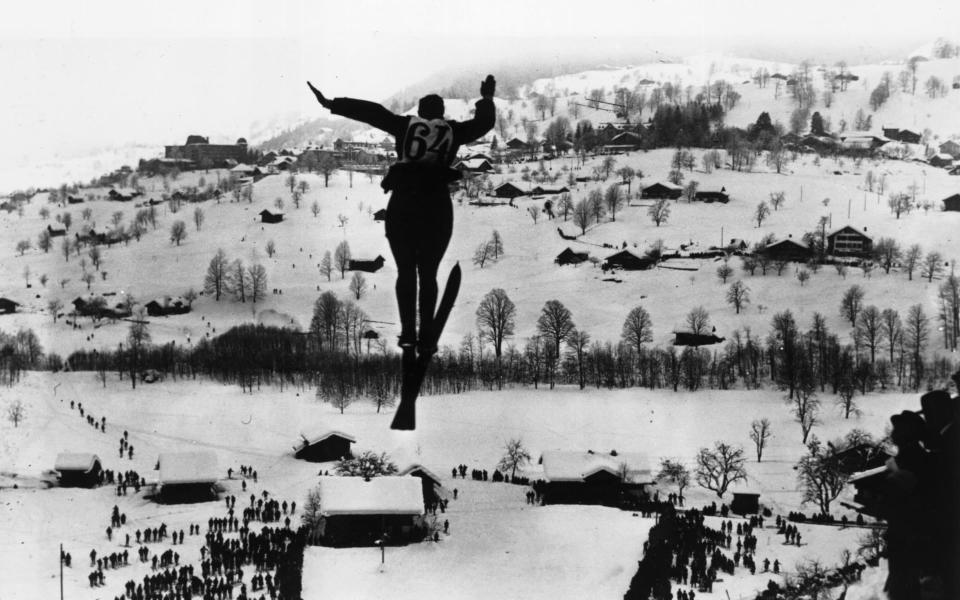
{"x":61,"y":571}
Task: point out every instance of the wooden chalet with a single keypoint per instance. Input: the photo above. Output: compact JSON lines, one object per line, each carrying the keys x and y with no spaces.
{"x":572,"y":477}
{"x":356,"y":511}
{"x":56,"y":231}
{"x":78,"y":469}
{"x":688,"y":338}
{"x":432,"y":487}
{"x":8,"y":306}
{"x":569,"y":257}
{"x":542,"y":191}
{"x":950,"y":147}
{"x":627,"y":261}
{"x":871,"y":486}
{"x":188,"y":476}
{"x":941,"y":160}
{"x":122,"y":194}
{"x":746,"y":500}
{"x":902,"y":135}
{"x":167,"y":305}
{"x":862,"y":142}
{"x":788,"y":249}
{"x":267,"y":216}
{"x":517,"y":145}
{"x":327,"y":447}
{"x":508,"y":190}
{"x":712,"y":196}
{"x":367,"y":266}
{"x":952,"y":203}
{"x":661,"y":190}
{"x":474,"y":165}
{"x":849,"y":241}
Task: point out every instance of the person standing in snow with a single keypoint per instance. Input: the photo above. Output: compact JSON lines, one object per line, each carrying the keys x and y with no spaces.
{"x":419,"y":220}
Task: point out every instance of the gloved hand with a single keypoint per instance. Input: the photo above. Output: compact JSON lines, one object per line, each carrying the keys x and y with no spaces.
{"x":320,"y":97}
{"x":488,"y":86}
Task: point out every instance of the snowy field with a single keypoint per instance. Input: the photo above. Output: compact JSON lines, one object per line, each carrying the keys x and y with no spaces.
{"x":497,"y":543}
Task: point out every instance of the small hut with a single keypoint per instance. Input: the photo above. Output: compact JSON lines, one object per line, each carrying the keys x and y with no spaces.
{"x":8,"y":306}
{"x":188,"y":476}
{"x":952,"y":203}
{"x":569,"y":257}
{"x":746,"y":500}
{"x":432,"y":488}
{"x":355,"y":511}
{"x":78,"y":469}
{"x":329,"y":446}
{"x":270,"y":217}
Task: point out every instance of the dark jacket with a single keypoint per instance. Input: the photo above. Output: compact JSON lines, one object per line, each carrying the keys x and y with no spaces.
{"x":463,"y":132}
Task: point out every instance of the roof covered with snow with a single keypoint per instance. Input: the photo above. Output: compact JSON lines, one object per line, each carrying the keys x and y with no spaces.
{"x":188,"y":467}
{"x":379,"y":496}
{"x":566,"y":465}
{"x":70,"y":461}
{"x":425,"y":471}
{"x":328,"y":434}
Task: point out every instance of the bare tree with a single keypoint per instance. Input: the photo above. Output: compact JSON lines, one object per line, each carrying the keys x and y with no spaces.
{"x":358,"y":284}
{"x":341,"y":258}
{"x":659,"y":211}
{"x":869,"y":330}
{"x":315,"y":208}
{"x":326,"y":265}
{"x":514,"y":457}
{"x":178,"y":232}
{"x":852,"y":303}
{"x":96,"y":257}
{"x":45,"y":240}
{"x":761,"y":213}
{"x":820,"y":476}
{"x":802,"y":276}
{"x":555,"y":323}
{"x":698,"y":320}
{"x":271,"y":248}
{"x":724,"y":271}
{"x":198,"y":217}
{"x":613,"y":199}
{"x":805,"y":407}
{"x":676,"y":473}
{"x":581,"y":215}
{"x":759,"y":434}
{"x":257,"y":279}
{"x":717,"y":469}
{"x":738,"y":294}
{"x":637,"y":328}
{"x":16,"y":412}
{"x":215,"y":281}
{"x":54,"y":305}
{"x":88,"y":278}
{"x":932,"y":265}
{"x":911,"y":259}
{"x":534,"y":213}
{"x":23,"y":246}
{"x":916,"y":335}
{"x":496,"y":319}
{"x":482,"y":254}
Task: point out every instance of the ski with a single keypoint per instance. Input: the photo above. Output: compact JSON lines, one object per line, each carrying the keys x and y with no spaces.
{"x":415,"y":366}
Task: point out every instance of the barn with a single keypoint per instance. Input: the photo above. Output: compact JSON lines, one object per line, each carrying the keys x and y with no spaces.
{"x":330,"y":446}
{"x":627,"y":261}
{"x":542,"y":191}
{"x":355,"y":511}
{"x":74,"y":199}
{"x":788,"y":249}
{"x":56,"y":231}
{"x":746,"y":499}
{"x":123,"y":194}
{"x":367,"y":266}
{"x":952,"y":203}
{"x":167,"y":306}
{"x":432,"y":488}
{"x":78,"y":469}
{"x":573,"y":477}
{"x":569,"y":257}
{"x":849,"y":241}
{"x":8,"y":306}
{"x":270,"y":217}
{"x":712,"y":196}
{"x":661,"y":190}
{"x":508,"y":190}
{"x":188,"y":476}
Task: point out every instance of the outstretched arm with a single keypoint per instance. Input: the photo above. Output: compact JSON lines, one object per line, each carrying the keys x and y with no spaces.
{"x":484,"y":117}
{"x":371,"y":113}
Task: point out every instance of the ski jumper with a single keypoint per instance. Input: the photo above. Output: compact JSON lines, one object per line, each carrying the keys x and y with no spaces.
{"x":419,"y":219}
